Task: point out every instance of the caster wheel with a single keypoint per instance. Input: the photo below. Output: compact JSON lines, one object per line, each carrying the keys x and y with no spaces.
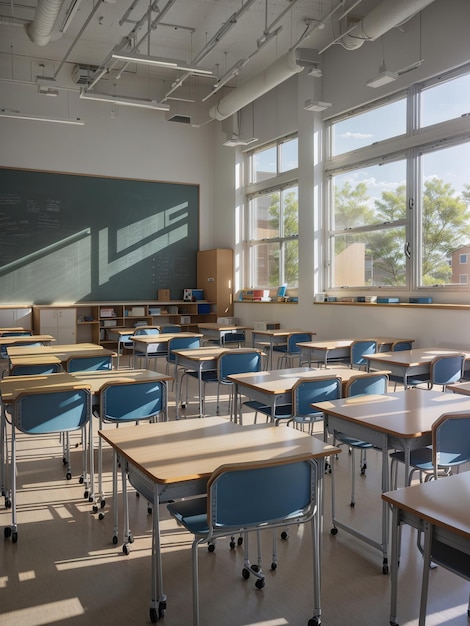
{"x":334,"y":531}
{"x":232,"y":545}
{"x":284,"y":535}
{"x":149,"y":510}
{"x":183,"y":405}
{"x":273,"y":566}
{"x":240,"y":541}
{"x":153,"y":616}
{"x":115,"y":540}
{"x":68,"y":476}
{"x":161,"y":611}
{"x":90,"y":498}
{"x":95,"y":509}
{"x":211,"y":547}
{"x":385,"y":569}
{"x":80,"y":480}
{"x":315,"y":621}
{"x":125,"y":549}
{"x":103,"y":504}
{"x":8,"y":504}
{"x":85,"y":495}
{"x":245,"y":573}
{"x":7,"y":532}
{"x":14,"y":537}
{"x":101,"y":516}
{"x":131,"y":538}
{"x":76,"y":445}
{"x":352,"y":505}
{"x":255,"y":568}
{"x":259,"y":584}
{"x":64,"y":461}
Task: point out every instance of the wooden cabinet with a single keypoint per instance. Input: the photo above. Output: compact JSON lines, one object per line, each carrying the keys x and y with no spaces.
{"x":215,"y":277}
{"x":11,"y":316}
{"x":61,"y":323}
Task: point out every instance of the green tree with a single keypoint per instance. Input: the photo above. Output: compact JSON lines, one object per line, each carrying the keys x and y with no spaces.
{"x":290,"y":229}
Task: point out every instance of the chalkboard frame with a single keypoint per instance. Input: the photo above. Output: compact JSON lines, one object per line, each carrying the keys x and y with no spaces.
{"x":71,"y":237}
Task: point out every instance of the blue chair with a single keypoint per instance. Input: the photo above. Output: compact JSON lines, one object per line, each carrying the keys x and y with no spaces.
{"x":238,"y":361}
{"x":229,"y":338}
{"x":241,"y":498}
{"x":290,"y":352}
{"x":449,"y":450}
{"x":89,"y":363}
{"x":357,"y":351}
{"x":446,"y":369}
{"x":121,"y":403}
{"x":397,"y":346}
{"x":367,"y":384}
{"x":170,"y":328}
{"x":307,"y":391}
{"x":179,"y":343}
{"x":137,"y":354}
{"x":124,"y":343}
{"x":46,"y":412}
{"x":35,"y":370}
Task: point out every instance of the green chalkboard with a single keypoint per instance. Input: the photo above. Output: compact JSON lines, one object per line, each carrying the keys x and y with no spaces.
{"x":72,"y":238}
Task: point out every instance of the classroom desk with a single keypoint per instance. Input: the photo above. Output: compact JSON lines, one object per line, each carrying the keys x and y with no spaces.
{"x":463,"y":388}
{"x":396,"y":421}
{"x":11,"y":387}
{"x":218,"y":332}
{"x":62,"y":351}
{"x":405,"y":363}
{"x":156,"y":345}
{"x":337,"y":349}
{"x":438,"y":508}
{"x":18,"y":340}
{"x":35,"y":359}
{"x":274,"y":387}
{"x":270,"y":338}
{"x":170,"y":460}
{"x":199,"y":360}
{"x":13,"y":329}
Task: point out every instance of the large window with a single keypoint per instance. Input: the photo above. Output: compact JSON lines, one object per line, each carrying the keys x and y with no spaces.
{"x":271,"y":216}
{"x":399,"y":202}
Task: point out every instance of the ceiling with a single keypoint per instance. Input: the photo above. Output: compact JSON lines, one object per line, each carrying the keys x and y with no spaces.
{"x":234,"y":40}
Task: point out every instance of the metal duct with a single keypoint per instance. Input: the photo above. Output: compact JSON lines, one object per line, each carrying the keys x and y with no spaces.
{"x":381,"y":19}
{"x":40,"y":29}
{"x":285,"y":67}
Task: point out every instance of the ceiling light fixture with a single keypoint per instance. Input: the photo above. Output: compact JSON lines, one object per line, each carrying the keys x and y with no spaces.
{"x":316,"y":105}
{"x":47,"y":91}
{"x":238,"y":141}
{"x":120,"y":100}
{"x":160,"y":62}
{"x":39,"y":118}
{"x":383,"y":78}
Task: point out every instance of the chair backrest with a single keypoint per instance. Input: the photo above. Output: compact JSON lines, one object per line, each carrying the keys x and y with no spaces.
{"x":43,"y":412}
{"x":233,"y":337}
{"x":146,"y":331}
{"x":242,"y":495}
{"x":359,"y":348}
{"x":132,"y":401}
{"x":171,"y":328}
{"x":238,"y":361}
{"x":447,"y":368}
{"x":35,"y":370}
{"x":296,"y":338}
{"x":367,"y":384}
{"x":451,"y":440}
{"x":17,"y":333}
{"x":181,"y":343}
{"x":306,"y":391}
{"x":89,"y":363}
{"x":401,"y":345}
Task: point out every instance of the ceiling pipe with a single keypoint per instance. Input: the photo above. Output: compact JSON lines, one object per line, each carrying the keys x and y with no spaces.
{"x":285,"y":67}
{"x":40,"y":29}
{"x":385,"y":16}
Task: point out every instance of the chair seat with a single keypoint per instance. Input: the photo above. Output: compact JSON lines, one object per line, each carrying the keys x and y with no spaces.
{"x":421,"y":459}
{"x":192,"y":514}
{"x":283,"y":411}
{"x":210,"y":376}
{"x":352,"y":442}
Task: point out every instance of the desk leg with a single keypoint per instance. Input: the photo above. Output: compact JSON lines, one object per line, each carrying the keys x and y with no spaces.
{"x":426,"y":567}
{"x":316,"y":548}
{"x":158,"y":598}
{"x":201,"y":403}
{"x":394,"y":566}
{"x":177,"y":390}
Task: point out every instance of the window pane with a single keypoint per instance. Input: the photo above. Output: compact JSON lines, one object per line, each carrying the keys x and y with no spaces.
{"x":445,"y":195}
{"x":289,"y":155}
{"x":370,"y":195}
{"x":290,"y":211}
{"x":265,"y":212}
{"x":445,"y":101}
{"x":264,"y":164}
{"x":370,"y":259}
{"x":266,"y":265}
{"x":291,"y":264}
{"x":369,"y":127}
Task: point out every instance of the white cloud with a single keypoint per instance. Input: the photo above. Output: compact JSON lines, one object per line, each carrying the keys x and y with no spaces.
{"x":350,"y":135}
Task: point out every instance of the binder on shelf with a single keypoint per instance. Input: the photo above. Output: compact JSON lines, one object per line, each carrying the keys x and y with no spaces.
{"x":388,"y":300}
{"x":105,"y":312}
{"x":421,"y":300}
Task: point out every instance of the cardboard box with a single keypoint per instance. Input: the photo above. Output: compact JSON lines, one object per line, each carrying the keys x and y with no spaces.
{"x":185,"y":319}
{"x":163,"y":295}
{"x":138,"y":311}
{"x":266,"y":325}
{"x":228,"y":321}
{"x":107,"y":312}
{"x":109,"y":323}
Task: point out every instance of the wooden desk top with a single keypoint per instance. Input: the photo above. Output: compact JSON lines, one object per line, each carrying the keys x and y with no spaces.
{"x":405,"y":414}
{"x":463,"y":388}
{"x":34,"y":359}
{"x":201,"y":354}
{"x":12,"y":386}
{"x":58,"y":349}
{"x":161,"y":338}
{"x":121,"y":330}
{"x":443,"y":502}
{"x":170,"y":452}
{"x":215,"y":326}
{"x":281,"y":381}
{"x":332,"y":344}
{"x":410,"y":358}
{"x":19,"y":339}
{"x":282,"y":332}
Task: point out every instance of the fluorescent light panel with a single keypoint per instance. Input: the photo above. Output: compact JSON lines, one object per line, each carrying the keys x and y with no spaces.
{"x":160,"y":62}
{"x":316,"y":105}
{"x":38,"y":118}
{"x":383,"y":78}
{"x":130,"y":102}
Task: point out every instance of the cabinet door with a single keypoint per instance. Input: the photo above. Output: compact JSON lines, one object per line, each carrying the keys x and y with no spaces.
{"x":60,"y":323}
